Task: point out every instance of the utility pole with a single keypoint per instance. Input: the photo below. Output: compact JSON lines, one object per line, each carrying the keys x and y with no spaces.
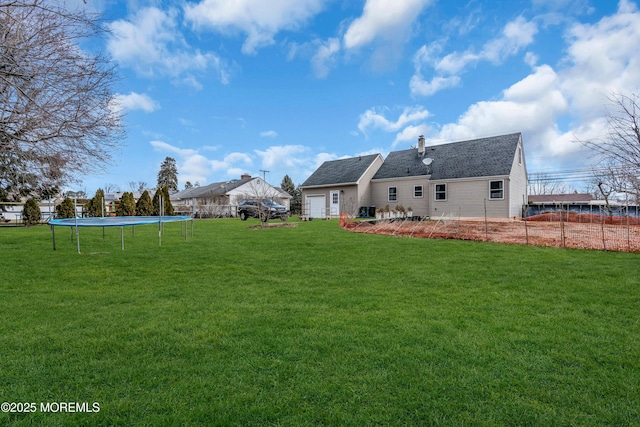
{"x":264,"y":174}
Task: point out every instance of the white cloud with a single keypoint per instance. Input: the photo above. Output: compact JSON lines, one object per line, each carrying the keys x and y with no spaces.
{"x":602,"y":58}
{"x":419,"y":86}
{"x":283,"y":156}
{"x":515,"y":36}
{"x":383,"y":19}
{"x":259,"y":20}
{"x":269,"y":134}
{"x":372,"y":119}
{"x":410,"y":133}
{"x":324,"y":57}
{"x":134,"y":101}
{"x":192,"y":166}
{"x":151,"y":43}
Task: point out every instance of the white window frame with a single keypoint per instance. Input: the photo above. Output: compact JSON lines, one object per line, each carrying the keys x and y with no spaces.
{"x":436,"y":192}
{"x":496,"y":190}
{"x":415,"y":187}
{"x":395,"y":194}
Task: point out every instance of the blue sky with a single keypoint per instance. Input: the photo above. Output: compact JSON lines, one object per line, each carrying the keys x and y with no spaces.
{"x":228,"y":87}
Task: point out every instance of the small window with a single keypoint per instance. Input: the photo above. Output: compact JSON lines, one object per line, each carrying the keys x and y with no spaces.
{"x":393,"y":194}
{"x":441,"y":192}
{"x":417,"y":191}
{"x":496,"y":190}
{"x":334,"y":198}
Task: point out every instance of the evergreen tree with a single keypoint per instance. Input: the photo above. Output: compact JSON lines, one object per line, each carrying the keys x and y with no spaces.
{"x":168,"y":174}
{"x":127,"y":205}
{"x":65,"y":209}
{"x":144,"y":207}
{"x":188,"y":185}
{"x":288,"y":186}
{"x":95,"y":206}
{"x":31,"y":212}
{"x":296,"y":201}
{"x":168,"y":207}
{"x":156,"y":202}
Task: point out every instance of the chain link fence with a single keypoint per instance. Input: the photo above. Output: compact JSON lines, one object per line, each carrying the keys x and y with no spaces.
{"x":560,"y":229}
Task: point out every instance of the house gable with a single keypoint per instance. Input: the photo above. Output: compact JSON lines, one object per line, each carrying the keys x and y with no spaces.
{"x":340,"y":172}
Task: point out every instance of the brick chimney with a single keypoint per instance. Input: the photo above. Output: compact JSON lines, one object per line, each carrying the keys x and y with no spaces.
{"x":421,"y":145}
{"x":245,"y":176}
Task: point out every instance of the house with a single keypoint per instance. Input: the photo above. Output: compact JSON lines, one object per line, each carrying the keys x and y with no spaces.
{"x":221,"y":198}
{"x":339,"y":185}
{"x":582,"y":203}
{"x":462,"y":179}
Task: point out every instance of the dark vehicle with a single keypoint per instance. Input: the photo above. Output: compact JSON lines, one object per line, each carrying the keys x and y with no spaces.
{"x":268,"y":209}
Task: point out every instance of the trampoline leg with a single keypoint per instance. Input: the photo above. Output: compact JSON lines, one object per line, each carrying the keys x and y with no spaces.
{"x":53,"y":237}
{"x":122,"y":236}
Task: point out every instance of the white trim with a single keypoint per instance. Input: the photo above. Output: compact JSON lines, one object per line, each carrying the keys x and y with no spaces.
{"x":435,"y":192}
{"x":501,"y":189}
{"x":389,"y":194}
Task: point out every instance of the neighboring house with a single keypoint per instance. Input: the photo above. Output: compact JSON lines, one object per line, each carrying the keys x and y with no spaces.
{"x":339,"y":185}
{"x":221,"y":198}
{"x":467,"y":179}
{"x":578,"y":203}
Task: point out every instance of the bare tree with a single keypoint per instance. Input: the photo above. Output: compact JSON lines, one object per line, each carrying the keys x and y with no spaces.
{"x":139,"y":186}
{"x":619,"y":150}
{"x":57,"y":117}
{"x":111,"y":188}
{"x":541,"y":183}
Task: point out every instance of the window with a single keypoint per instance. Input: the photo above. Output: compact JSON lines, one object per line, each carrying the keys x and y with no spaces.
{"x":496,"y":190}
{"x":417,"y":191}
{"x":334,"y":198}
{"x":441,"y":192}
{"x":393,"y":194}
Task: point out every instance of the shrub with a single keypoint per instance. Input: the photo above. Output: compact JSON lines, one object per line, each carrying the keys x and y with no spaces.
{"x":144,"y":207}
{"x":31,"y":212}
{"x":127,"y":205}
{"x":65,"y":209}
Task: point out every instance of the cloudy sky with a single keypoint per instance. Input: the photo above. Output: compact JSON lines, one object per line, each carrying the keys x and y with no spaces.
{"x":250,"y":86}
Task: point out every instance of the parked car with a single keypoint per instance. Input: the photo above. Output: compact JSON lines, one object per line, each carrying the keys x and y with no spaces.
{"x":264,"y":209}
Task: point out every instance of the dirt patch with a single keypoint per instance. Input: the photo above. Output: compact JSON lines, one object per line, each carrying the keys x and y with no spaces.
{"x":275,"y":225}
{"x":582,"y":235}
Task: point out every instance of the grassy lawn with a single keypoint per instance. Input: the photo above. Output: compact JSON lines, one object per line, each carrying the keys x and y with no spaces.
{"x":314,"y":325}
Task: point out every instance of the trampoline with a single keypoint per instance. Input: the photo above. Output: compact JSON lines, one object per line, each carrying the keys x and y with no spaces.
{"x":117,"y":221}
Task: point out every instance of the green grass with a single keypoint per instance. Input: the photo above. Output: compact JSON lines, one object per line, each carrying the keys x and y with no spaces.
{"x":314,"y":325}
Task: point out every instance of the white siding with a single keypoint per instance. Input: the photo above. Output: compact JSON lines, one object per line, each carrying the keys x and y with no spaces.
{"x":404,"y":194}
{"x":518,"y":183}
{"x":466,"y":198}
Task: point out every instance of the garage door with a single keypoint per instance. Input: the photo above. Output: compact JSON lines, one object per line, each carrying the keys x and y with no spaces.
{"x":316,"y":206}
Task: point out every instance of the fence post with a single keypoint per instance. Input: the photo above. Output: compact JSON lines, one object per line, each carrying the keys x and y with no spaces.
{"x":562,"y":235}
{"x":486,"y":225}
{"x":604,"y":244}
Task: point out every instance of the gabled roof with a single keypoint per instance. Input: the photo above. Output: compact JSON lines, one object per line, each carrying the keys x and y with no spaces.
{"x":343,"y":171}
{"x":491,"y":156}
{"x":215,"y":189}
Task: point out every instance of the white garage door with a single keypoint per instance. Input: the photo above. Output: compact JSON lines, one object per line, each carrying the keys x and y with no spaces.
{"x":316,"y":206}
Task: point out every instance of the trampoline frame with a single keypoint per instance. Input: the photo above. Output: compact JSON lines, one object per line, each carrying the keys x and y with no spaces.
{"x":118,"y":221}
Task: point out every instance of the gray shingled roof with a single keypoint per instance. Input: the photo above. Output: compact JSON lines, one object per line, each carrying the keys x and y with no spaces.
{"x":343,"y":171}
{"x":491,"y":156}
{"x":215,"y":189}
